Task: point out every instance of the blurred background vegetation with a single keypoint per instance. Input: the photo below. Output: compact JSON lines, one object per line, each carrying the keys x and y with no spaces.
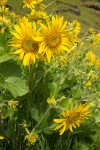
{"x":87,"y":12}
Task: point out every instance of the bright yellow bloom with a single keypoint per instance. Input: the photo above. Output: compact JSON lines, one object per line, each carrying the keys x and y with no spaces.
{"x":24,"y":42}
{"x":88,"y":84}
{"x":29,"y":3}
{"x":91,"y":59}
{"x":75,"y":30}
{"x":38,"y":16}
{"x":55,"y":37}
{"x":51,"y":101}
{"x":64,"y":60}
{"x":76,"y":27}
{"x":97,"y":62}
{"x":3,"y":10}
{"x":91,"y":31}
{"x":2,"y":2}
{"x":40,"y":5}
{"x":4,"y":20}
{"x":13,"y":104}
{"x":32,"y":138}
{"x":73,"y":117}
{"x":1,"y":137}
{"x":98,"y":37}
{"x":93,"y":39}
{"x":2,"y":30}
{"x":91,"y":56}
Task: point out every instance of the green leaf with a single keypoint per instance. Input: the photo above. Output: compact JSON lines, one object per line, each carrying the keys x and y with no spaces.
{"x":35,"y":114}
{"x":10,"y":69}
{"x":1,"y":49}
{"x":54,"y":89}
{"x":66,"y":102}
{"x":5,"y":57}
{"x":80,"y":146}
{"x":17,"y":86}
{"x":7,"y":113}
{"x":97,"y":116}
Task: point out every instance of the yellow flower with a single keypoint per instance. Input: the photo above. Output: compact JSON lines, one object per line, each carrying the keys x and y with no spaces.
{"x":91,"y":31}
{"x":24,"y":42}
{"x":2,"y":2}
{"x":4,"y":20}
{"x":32,"y":138}
{"x":40,"y":5}
{"x":75,"y":30}
{"x":76,"y":27}
{"x":88,"y":84}
{"x":38,"y":16}
{"x":93,"y":39}
{"x":51,"y":101}
{"x":63,"y":60}
{"x":73,"y":118}
{"x":3,"y":10}
{"x":29,"y":3}
{"x":13,"y":104}
{"x":55,"y":37}
{"x":97,"y":62}
{"x":98,"y":37}
{"x":2,"y":30}
{"x":1,"y":137}
{"x":91,"y":59}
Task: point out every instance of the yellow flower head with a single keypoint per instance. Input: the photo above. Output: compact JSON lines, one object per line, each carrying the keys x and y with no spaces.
{"x":51,"y":101}
{"x":29,"y":3}
{"x":75,"y":30}
{"x":73,"y":117}
{"x":2,"y":30}
{"x":38,"y":16}
{"x":26,"y":46}
{"x":98,"y":37}
{"x":54,"y":37}
{"x":3,"y":10}
{"x":76,"y":27}
{"x":91,"y":31}
{"x":1,"y":137}
{"x":91,"y":59}
{"x":97,"y":62}
{"x":13,"y":104}
{"x":88,"y":84}
{"x":32,"y":138}
{"x":64,"y":60}
{"x":40,"y":5}
{"x":2,"y":2}
{"x":4,"y":21}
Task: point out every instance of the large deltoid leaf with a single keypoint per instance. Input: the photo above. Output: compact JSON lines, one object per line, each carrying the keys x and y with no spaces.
{"x":5,"y":57}
{"x":17,"y":86}
{"x":10,"y":69}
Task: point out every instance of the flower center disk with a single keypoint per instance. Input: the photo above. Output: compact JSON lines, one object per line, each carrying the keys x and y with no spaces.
{"x":28,"y":1}
{"x":53,"y":40}
{"x":30,"y":46}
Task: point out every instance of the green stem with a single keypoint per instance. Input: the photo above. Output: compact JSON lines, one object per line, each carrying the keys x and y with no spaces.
{"x":42,"y":118}
{"x":49,"y":4}
{"x":55,"y":64}
{"x":31,"y":76}
{"x":27,"y":131}
{"x":30,"y":82}
{"x":20,"y":8}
